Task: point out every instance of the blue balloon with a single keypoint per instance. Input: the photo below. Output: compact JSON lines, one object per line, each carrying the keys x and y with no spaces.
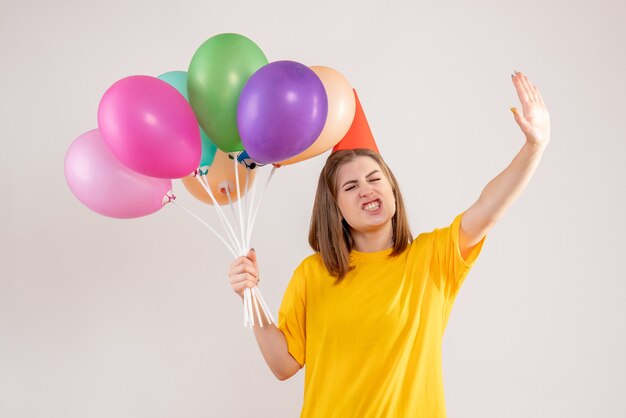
{"x":178,"y":80}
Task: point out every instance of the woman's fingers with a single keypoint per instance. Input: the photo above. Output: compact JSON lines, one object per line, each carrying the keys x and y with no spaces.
{"x":528,"y":94}
{"x":237,"y":261}
{"x":242,"y":261}
{"x":538,"y":96}
{"x":242,"y":282}
{"x":252,"y":255}
{"x":524,"y":81}
{"x":521,"y":90}
{"x":526,"y":84}
{"x":244,"y":268}
{"x":243,"y":277}
{"x":531,"y":90}
{"x":243,"y":274}
{"x":240,"y":287}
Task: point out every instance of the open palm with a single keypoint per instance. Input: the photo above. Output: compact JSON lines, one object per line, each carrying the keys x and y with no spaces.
{"x":535,"y":120}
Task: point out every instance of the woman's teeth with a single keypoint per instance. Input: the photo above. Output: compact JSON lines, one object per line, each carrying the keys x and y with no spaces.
{"x":372,"y":206}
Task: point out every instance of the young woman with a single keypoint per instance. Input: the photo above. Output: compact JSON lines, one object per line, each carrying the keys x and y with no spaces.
{"x":367,"y":311}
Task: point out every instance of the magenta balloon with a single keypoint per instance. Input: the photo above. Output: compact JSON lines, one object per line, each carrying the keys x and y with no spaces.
{"x":150,"y":127}
{"x":107,"y":186}
{"x":282,"y":110}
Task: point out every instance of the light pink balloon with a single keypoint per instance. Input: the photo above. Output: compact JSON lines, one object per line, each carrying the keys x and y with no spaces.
{"x":150,"y":127}
{"x":108,"y":187}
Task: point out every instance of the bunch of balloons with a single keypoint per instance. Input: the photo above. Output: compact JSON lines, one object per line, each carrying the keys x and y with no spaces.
{"x":211,"y":126}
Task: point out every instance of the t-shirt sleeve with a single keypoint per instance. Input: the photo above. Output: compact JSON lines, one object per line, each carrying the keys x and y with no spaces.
{"x":450,"y":268}
{"x":292,"y":316}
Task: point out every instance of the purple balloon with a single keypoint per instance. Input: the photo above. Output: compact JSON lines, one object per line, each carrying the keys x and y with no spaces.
{"x":107,"y":186}
{"x":150,"y":127}
{"x":282,"y":110}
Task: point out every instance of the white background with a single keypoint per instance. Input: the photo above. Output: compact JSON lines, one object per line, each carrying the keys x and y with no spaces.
{"x":102,"y":317}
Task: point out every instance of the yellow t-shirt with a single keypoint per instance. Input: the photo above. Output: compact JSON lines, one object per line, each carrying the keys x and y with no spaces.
{"x":372,"y":344}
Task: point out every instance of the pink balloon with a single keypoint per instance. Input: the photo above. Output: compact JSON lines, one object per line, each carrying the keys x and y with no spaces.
{"x":108,"y":187}
{"x":150,"y":127}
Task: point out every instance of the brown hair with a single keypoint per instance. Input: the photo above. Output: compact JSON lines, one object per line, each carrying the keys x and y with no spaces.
{"x":329,"y":233}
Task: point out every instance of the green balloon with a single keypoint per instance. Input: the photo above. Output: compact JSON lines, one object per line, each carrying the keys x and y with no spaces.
{"x":217,"y":73}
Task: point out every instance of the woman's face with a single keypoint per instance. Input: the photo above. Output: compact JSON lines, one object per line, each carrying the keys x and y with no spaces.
{"x":365,"y":195}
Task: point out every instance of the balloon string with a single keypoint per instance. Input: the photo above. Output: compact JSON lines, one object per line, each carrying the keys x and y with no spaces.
{"x":223,"y":219}
{"x":231,"y":225}
{"x":252,"y":296}
{"x":252,"y":299}
{"x":250,"y":313}
{"x":258,"y":300}
{"x":254,"y":187}
{"x":256,"y":305}
{"x":256,"y":209}
{"x":205,"y":183}
{"x":240,"y":219}
{"x":249,"y":301}
{"x":245,"y":307}
{"x":245,"y":207}
{"x":264,"y":307}
{"x":255,"y":300}
{"x":207,"y":225}
{"x":256,"y":297}
{"x":232,"y":207}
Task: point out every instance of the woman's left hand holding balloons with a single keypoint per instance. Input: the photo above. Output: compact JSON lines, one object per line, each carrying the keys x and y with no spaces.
{"x":150,"y":127}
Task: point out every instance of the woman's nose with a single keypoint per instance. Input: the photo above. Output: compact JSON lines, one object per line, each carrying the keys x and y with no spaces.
{"x":366,"y":191}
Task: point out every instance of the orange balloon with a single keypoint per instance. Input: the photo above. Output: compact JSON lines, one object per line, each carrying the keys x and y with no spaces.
{"x":221,"y":177}
{"x":341,"y":108}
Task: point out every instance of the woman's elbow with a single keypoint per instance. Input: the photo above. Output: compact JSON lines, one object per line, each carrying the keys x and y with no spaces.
{"x":288,"y":372}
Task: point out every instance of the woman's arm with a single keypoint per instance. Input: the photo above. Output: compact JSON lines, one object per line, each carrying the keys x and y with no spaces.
{"x":500,"y":193}
{"x":273,"y":346}
{"x":244,"y":273}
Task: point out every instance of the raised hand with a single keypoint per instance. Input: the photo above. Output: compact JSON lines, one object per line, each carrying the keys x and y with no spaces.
{"x":535,"y":120}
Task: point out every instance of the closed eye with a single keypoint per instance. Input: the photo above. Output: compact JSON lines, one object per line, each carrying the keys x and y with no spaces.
{"x":353,"y":186}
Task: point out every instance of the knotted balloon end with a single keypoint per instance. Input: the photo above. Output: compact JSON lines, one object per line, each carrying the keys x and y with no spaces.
{"x":169,"y":197}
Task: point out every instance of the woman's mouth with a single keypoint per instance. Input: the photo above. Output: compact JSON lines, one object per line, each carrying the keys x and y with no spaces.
{"x":373,"y":207}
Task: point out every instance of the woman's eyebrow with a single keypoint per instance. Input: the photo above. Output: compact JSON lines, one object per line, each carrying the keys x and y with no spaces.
{"x":355,"y":181}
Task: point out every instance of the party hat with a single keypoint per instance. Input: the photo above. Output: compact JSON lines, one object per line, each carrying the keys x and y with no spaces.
{"x":359,"y":135}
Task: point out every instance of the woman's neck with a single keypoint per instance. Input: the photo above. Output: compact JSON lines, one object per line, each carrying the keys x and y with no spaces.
{"x":372,"y":241}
